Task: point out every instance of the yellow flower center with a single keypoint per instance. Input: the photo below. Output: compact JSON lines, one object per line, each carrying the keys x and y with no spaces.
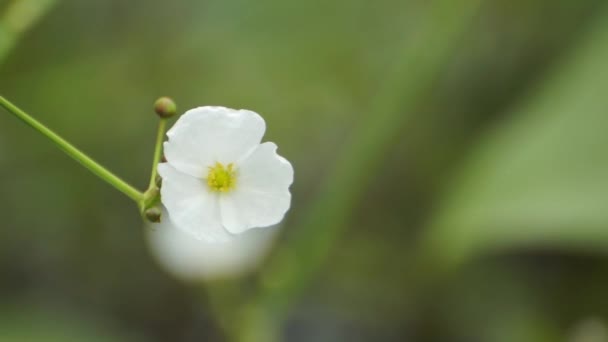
{"x":221,"y":178}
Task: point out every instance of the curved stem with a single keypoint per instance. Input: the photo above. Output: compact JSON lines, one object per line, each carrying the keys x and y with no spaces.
{"x":157,"y":152}
{"x":73,"y":152}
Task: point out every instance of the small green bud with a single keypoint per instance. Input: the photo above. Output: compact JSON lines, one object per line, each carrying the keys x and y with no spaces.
{"x":153,"y":214}
{"x":165,"y":107}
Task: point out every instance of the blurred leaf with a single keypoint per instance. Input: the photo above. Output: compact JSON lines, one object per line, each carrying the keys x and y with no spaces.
{"x":18,"y":18}
{"x":31,"y":324}
{"x":541,"y":178}
{"x":421,"y":60}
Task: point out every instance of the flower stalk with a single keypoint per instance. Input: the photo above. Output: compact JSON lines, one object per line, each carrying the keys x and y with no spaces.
{"x":162,"y":126}
{"x":73,"y":152}
{"x":165,"y":108}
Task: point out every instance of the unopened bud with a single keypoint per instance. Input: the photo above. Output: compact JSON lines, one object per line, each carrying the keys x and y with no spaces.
{"x":153,"y":214}
{"x":165,"y":107}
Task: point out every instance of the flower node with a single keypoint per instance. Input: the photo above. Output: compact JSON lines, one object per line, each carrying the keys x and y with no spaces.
{"x":221,"y":178}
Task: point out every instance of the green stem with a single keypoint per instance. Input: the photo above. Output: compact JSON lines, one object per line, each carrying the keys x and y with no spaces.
{"x":73,"y":152}
{"x":157,"y":151}
{"x":416,"y":68}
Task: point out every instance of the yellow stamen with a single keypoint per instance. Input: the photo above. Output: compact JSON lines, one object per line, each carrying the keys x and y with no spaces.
{"x":221,"y":178}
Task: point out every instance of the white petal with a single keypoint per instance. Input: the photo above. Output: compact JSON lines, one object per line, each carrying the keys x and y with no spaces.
{"x":261,"y":196}
{"x":191,"y":206}
{"x":192,"y":260}
{"x":206,"y":135}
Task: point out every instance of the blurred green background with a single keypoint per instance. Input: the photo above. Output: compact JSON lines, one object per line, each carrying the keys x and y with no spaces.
{"x":451,"y":166}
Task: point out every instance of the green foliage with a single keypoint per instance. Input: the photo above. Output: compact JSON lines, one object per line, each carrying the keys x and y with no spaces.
{"x":539,"y":177}
{"x":31,"y":323}
{"x":17,"y":18}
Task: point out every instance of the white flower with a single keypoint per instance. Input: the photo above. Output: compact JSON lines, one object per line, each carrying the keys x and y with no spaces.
{"x":191,"y":260}
{"x":219,"y":179}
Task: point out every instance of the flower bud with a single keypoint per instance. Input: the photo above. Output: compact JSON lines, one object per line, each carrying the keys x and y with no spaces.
{"x":153,"y":214}
{"x":165,"y":107}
